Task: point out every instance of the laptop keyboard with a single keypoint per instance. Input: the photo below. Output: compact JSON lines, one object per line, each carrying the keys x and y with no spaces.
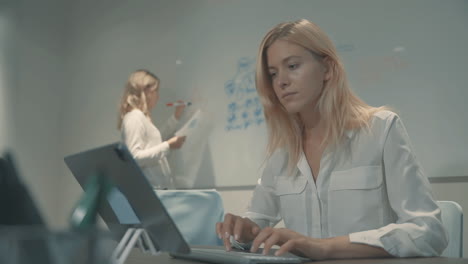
{"x":248,"y":257}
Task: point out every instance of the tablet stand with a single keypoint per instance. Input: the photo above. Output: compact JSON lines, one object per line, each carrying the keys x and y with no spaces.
{"x":131,"y":237}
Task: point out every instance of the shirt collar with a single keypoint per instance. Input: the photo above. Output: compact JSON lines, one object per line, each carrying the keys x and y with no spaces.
{"x":349,"y":133}
{"x":302,"y":163}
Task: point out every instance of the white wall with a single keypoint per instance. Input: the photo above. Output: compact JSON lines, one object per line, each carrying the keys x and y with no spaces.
{"x":36,"y":81}
{"x":109,"y":39}
{"x":7,"y":59}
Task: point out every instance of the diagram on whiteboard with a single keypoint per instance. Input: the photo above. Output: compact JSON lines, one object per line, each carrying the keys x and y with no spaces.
{"x":244,"y":109}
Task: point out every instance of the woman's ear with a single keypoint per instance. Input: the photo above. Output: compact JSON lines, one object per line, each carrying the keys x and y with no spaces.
{"x":327,"y":66}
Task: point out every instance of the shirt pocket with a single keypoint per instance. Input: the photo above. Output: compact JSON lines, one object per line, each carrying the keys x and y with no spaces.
{"x":291,"y":195}
{"x":359,"y":178}
{"x":355,"y":200}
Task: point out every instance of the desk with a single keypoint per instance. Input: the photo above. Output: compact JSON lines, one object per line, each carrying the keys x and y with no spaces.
{"x":136,"y":257}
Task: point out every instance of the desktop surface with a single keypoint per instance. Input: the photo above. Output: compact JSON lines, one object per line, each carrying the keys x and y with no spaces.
{"x":137,"y":257}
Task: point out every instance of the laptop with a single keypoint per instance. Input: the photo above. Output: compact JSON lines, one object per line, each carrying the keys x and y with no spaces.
{"x":134,"y":202}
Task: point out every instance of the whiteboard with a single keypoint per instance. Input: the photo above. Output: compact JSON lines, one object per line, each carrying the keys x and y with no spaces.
{"x":409,"y":55}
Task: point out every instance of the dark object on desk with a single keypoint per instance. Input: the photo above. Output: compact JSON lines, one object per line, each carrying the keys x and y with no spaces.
{"x":17,"y":205}
{"x":18,"y":210}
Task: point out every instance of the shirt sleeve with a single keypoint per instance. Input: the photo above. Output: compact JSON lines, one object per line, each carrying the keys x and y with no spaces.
{"x":418,"y":230}
{"x":133,"y":134}
{"x":263,"y":208}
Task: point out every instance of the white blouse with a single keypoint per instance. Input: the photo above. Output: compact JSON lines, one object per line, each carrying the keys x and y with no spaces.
{"x":146,"y":144}
{"x":371,"y":189}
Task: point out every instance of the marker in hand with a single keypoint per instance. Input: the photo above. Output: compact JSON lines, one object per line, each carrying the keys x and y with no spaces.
{"x":179,"y":104}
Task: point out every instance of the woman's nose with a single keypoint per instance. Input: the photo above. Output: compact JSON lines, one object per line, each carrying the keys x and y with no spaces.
{"x":283,"y":80}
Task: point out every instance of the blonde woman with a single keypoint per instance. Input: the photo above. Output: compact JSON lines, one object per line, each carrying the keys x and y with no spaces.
{"x":341,"y":174}
{"x":142,"y":137}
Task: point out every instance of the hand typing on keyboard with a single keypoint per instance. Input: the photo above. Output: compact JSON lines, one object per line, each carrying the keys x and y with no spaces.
{"x":247,"y":234}
{"x":242,"y":229}
{"x":290,"y":241}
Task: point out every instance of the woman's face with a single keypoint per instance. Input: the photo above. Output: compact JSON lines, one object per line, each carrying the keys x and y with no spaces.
{"x":297,"y":76}
{"x":152,"y":96}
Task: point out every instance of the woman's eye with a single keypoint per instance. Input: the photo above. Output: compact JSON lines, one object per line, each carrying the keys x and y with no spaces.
{"x":272,"y":74}
{"x":293,"y":66}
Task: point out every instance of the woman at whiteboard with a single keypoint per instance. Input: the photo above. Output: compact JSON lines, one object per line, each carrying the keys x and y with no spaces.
{"x":142,"y":137}
{"x":341,"y":174}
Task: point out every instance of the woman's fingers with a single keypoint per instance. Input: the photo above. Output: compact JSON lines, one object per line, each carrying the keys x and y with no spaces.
{"x":241,"y":229}
{"x":238,"y":228}
{"x":288,"y":240}
{"x":222,"y":234}
{"x":226,"y":231}
{"x":219,"y":228}
{"x":286,"y":247}
{"x":261,"y":237}
{"x":255,"y":230}
{"x":272,"y":240}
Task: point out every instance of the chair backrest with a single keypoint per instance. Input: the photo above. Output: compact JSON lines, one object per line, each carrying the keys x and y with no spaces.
{"x":452,"y":219}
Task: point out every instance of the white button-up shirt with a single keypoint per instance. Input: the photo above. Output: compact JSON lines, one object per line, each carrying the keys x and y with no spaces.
{"x":370,"y":188}
{"x":146,"y":144}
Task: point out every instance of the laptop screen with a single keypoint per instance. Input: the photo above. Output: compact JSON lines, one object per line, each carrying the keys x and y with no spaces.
{"x":133,"y":201}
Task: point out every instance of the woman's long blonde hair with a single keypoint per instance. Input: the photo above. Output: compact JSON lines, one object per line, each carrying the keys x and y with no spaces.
{"x":338,"y":106}
{"x":134,"y":96}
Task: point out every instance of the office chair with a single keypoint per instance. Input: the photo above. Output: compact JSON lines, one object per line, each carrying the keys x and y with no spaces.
{"x":452,"y":219}
{"x":195,"y":212}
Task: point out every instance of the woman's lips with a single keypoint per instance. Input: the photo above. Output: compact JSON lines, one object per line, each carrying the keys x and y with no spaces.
{"x":288,"y":94}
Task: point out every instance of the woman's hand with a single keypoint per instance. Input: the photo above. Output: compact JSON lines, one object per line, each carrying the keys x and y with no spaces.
{"x":176,"y":142}
{"x":179,"y":110}
{"x":290,"y":241}
{"x":244,"y":230}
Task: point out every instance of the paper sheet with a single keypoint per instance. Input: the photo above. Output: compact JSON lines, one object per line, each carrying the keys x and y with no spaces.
{"x":190,"y":125}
